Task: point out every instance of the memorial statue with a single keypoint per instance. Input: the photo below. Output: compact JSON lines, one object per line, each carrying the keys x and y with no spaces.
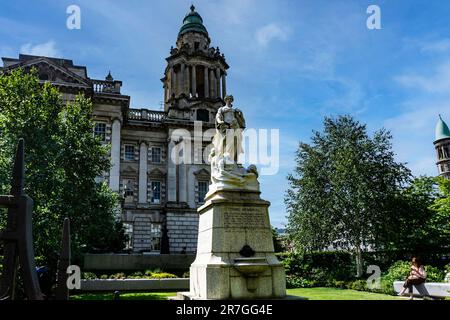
{"x":235,"y":255}
{"x":229,"y":125}
{"x":226,"y":171}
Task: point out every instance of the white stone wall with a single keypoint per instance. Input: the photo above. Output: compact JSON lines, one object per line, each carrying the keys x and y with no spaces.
{"x":182,"y":230}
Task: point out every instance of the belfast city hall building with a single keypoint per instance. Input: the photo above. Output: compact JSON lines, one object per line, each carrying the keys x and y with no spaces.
{"x":159,"y":196}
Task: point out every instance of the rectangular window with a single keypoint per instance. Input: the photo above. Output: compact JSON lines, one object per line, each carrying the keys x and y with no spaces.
{"x":129,"y":153}
{"x":202,"y":190}
{"x":156,"y":155}
{"x":128,"y":229}
{"x":128,"y":190}
{"x":156,"y":191}
{"x":100,"y":131}
{"x":155,"y":235}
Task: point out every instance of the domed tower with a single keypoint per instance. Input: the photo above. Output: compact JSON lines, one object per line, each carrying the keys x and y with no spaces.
{"x":195,"y":76}
{"x":442,"y":145}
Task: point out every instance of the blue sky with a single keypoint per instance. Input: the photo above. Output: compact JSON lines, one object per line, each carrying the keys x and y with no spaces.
{"x":292,"y":62}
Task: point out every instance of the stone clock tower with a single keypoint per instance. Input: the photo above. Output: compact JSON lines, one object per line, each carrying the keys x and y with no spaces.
{"x":196,"y":72}
{"x":442,"y":146}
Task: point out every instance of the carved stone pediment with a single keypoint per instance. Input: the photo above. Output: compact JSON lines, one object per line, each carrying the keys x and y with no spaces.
{"x":156,"y":173}
{"x":50,"y":71}
{"x":202,"y":174}
{"x":129,"y":171}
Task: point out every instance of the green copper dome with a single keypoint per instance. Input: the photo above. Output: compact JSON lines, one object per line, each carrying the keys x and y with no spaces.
{"x":193,"y":22}
{"x":442,"y":131}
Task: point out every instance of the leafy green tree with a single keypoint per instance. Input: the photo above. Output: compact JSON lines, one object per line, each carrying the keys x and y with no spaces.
{"x":439,"y":223}
{"x":341,"y":188}
{"x":411,"y":218}
{"x":63,"y":159}
{"x":277,"y":242}
{"x":419,"y":217}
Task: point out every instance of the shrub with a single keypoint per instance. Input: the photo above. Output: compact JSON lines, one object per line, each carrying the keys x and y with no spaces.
{"x":162,"y":275}
{"x":88,"y":276}
{"x":136,"y":275}
{"x":359,"y":285}
{"x":338,"y":284}
{"x":447,"y":273}
{"x":434,"y":274}
{"x":318,"y":268}
{"x":400,"y":270}
{"x":157,"y":270}
{"x":293,"y":281}
{"x":119,"y":275}
{"x":148,"y":273}
{"x":104,"y":277}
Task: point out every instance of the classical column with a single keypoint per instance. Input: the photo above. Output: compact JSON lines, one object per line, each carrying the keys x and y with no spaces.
{"x":176,"y":87}
{"x":206,"y":82}
{"x":183,"y":79}
{"x":114,"y":173}
{"x":165,"y":92}
{"x":218,"y":94}
{"x":171,"y":173}
{"x":212,"y":85}
{"x":224,"y":85}
{"x":143,"y":168}
{"x":172,"y":82}
{"x":182,"y":183}
{"x":194,"y":81}
{"x":188,"y":80}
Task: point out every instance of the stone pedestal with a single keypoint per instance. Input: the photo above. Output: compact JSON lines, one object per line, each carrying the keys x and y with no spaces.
{"x":235,"y":254}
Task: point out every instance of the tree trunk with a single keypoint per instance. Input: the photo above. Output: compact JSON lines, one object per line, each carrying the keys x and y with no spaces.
{"x":359,"y":262}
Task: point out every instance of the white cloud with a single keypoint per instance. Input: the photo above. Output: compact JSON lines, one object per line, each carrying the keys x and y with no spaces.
{"x":47,"y":49}
{"x":439,"y":82}
{"x":413,"y":133}
{"x":413,"y":128}
{"x":436,"y":46}
{"x":271,"y":32}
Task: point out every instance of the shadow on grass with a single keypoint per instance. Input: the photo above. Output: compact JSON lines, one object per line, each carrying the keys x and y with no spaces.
{"x":124,"y":296}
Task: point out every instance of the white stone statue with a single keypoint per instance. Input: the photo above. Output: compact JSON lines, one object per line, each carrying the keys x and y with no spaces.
{"x":229,"y":125}
{"x":226,"y":171}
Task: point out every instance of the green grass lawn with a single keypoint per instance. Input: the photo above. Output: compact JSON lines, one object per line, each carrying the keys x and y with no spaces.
{"x":338,"y":294}
{"x":306,"y":293}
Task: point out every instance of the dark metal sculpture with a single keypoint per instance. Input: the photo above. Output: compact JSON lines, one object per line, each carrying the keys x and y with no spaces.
{"x":18,"y":237}
{"x":62,"y":291}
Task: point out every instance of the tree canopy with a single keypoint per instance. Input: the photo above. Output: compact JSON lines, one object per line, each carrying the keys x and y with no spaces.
{"x":63,"y":160}
{"x":342,"y":186}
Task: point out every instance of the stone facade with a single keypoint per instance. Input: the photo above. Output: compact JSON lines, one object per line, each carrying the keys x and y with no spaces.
{"x":159,"y":197}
